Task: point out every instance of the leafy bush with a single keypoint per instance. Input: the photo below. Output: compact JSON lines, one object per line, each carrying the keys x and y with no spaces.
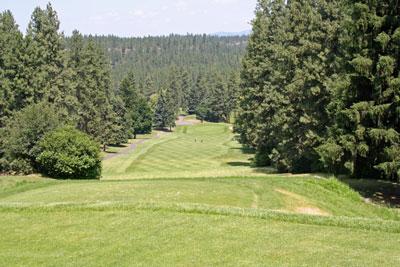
{"x":70,"y":154}
{"x":261,"y":159}
{"x":21,"y":137}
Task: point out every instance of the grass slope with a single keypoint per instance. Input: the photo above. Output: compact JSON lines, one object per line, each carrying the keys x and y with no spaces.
{"x":182,"y":154}
{"x":229,"y":214}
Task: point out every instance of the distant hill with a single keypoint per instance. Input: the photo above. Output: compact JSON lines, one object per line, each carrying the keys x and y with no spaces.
{"x":153,"y":58}
{"x":224,"y":34}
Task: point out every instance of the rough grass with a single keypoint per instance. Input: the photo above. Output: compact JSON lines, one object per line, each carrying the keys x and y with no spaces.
{"x":208,"y":207}
{"x":299,"y":195}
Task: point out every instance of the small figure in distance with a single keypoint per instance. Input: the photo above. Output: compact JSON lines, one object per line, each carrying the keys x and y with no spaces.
{"x":195,"y":140}
{"x":201,"y":140}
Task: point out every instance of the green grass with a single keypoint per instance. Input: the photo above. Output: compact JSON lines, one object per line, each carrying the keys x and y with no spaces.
{"x":176,"y":202}
{"x":301,"y":195}
{"x":178,"y":155}
{"x":111,"y":149}
{"x":189,"y":117}
{"x":165,"y":238}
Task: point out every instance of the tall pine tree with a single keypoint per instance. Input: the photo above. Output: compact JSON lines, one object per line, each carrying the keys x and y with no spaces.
{"x":12,"y":81}
{"x":45,"y":57}
{"x":365,"y":139}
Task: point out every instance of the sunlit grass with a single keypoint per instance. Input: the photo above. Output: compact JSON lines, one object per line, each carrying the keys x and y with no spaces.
{"x":204,"y":205}
{"x":157,"y":237}
{"x":111,"y":149}
{"x":202,"y":150}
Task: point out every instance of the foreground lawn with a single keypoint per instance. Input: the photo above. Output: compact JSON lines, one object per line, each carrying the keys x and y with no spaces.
{"x":69,"y":236}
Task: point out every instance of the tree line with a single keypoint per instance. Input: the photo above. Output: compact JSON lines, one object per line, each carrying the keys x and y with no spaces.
{"x":319,"y":87}
{"x":200,"y":72}
{"x":49,"y":82}
{"x":150,"y":58}
{"x":45,"y":86}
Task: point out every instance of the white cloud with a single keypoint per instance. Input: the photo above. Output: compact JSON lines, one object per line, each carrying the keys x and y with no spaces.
{"x":101,"y":19}
{"x":144,"y":14}
{"x":97,"y":19}
{"x":138,"y":13}
{"x":226,"y":1}
{"x":181,"y":4}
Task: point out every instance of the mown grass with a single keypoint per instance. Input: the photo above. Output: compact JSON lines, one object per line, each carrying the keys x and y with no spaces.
{"x":204,"y":205}
{"x":190,"y":117}
{"x":144,"y":237}
{"x":202,"y":150}
{"x":111,"y":149}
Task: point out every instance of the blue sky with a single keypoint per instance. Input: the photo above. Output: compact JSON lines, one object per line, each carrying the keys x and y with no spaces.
{"x":141,"y":17}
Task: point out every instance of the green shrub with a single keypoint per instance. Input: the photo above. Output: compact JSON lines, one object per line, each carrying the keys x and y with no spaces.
{"x":261,"y":159}
{"x":70,"y":154}
{"x":21,"y":137}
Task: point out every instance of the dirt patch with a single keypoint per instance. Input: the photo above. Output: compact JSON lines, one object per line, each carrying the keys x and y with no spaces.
{"x":299,"y":204}
{"x":187,"y":122}
{"x":181,"y":121}
{"x":311,"y":211}
{"x":254,"y":205}
{"x":290,"y":194}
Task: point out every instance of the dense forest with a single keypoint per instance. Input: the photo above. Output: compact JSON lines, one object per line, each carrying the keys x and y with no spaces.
{"x":320,"y":87}
{"x":108,"y":88}
{"x":150,"y":58}
{"x":201,"y":70}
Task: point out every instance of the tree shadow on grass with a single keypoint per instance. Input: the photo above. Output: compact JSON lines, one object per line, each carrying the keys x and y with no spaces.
{"x":379,"y":191}
{"x":113,"y":152}
{"x":244,"y":150}
{"x":239,"y":164}
{"x":264,"y":170}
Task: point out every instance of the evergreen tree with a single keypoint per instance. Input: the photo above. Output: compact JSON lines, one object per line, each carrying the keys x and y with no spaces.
{"x":365,"y":139}
{"x":185,"y":90}
{"x":148,"y":87}
{"x":312,"y":39}
{"x":142,"y":117}
{"x":196,"y":94}
{"x":12,"y":82}
{"x":285,"y":74}
{"x":174,"y":88}
{"x":118,"y":122}
{"x":128,"y":91}
{"x":260,"y":97}
{"x":216,"y":100}
{"x":164,"y":115}
{"x":232,"y":91}
{"x":45,"y":57}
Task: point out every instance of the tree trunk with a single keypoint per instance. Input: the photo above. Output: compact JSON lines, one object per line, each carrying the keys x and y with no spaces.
{"x":104,"y":147}
{"x":134,"y":136}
